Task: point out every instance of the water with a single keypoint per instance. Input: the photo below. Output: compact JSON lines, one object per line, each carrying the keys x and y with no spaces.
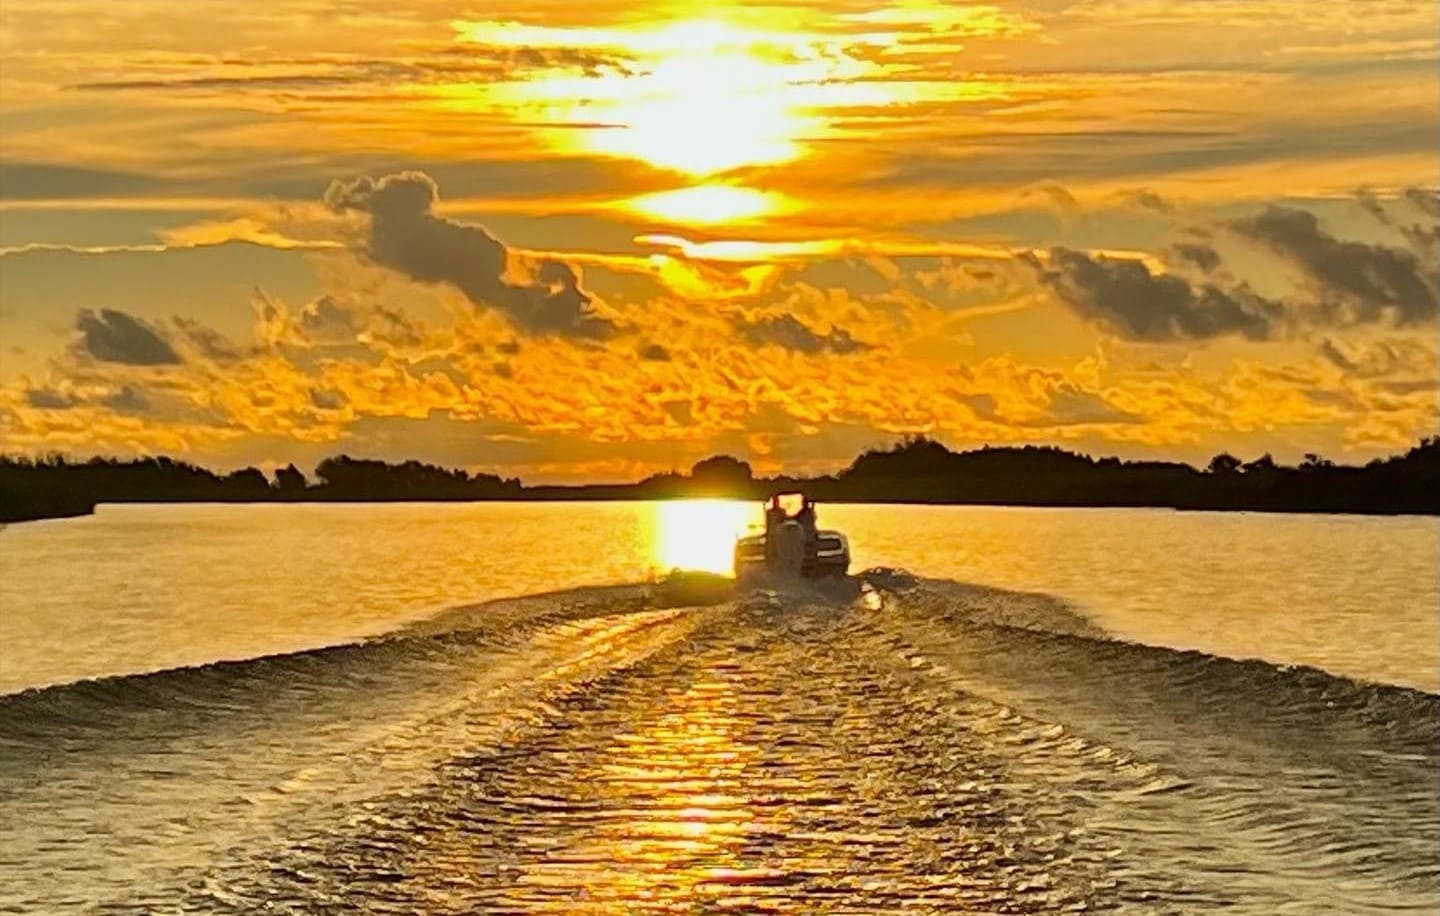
{"x":143,"y":588}
{"x":1060,"y":711}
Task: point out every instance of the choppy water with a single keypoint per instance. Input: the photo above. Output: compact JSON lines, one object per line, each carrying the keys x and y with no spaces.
{"x":906,"y":743}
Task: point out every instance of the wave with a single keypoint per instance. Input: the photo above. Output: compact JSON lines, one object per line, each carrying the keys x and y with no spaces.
{"x":248,"y":693}
{"x":1040,"y":646}
{"x":1035,"y":643}
{"x":878,"y":717}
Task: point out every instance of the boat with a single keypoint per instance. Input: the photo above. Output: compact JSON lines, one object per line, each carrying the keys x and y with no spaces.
{"x":791,"y":544}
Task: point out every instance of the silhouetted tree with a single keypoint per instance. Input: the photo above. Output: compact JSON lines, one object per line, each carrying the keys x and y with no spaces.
{"x":1260,"y":465}
{"x":247,"y":484}
{"x":722,"y":475}
{"x":289,"y":480}
{"x":916,"y":469}
{"x":1223,"y":463}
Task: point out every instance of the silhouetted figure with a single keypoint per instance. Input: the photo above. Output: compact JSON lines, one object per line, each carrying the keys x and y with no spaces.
{"x":774,"y":518}
{"x":808,"y":523}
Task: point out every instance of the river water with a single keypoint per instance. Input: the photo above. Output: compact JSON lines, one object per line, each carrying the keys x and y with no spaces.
{"x":483,"y":708}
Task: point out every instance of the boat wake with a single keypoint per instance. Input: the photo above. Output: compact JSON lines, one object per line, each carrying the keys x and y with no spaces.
{"x":882,"y":742}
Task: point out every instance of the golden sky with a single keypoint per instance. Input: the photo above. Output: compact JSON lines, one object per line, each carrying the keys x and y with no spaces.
{"x":593,"y":241}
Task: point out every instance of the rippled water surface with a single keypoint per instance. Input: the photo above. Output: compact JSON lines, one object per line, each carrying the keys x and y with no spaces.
{"x":1052,"y":711}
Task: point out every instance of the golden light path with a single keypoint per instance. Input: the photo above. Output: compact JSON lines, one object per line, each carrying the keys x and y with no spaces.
{"x":678,"y":814}
{"x":698,"y":534}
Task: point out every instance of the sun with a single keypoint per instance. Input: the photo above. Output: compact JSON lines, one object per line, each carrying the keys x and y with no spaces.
{"x":699,"y":97}
{"x":707,"y":108}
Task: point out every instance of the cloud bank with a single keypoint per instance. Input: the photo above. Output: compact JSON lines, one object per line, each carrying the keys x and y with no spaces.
{"x":407,"y":236}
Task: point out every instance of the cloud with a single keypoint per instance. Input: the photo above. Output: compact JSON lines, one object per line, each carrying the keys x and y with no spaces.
{"x":278,"y":81}
{"x":1125,"y":297}
{"x":42,"y":180}
{"x":1073,"y":406}
{"x":209,"y":342}
{"x":49,"y":399}
{"x":327,"y":319}
{"x":328,"y":399}
{"x":116,"y":337}
{"x":791,"y":333}
{"x":1423,"y":236}
{"x":1426,"y":200}
{"x":1202,"y":256}
{"x":655,"y":353}
{"x":982,"y":405}
{"x":1146,"y":199}
{"x":1358,"y":282}
{"x":1381,"y":358}
{"x":127,"y":399}
{"x":405,"y":235}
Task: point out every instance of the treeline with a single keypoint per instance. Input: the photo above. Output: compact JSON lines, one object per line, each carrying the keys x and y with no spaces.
{"x":921,"y":470}
{"x":915,"y":470}
{"x":55,"y":486}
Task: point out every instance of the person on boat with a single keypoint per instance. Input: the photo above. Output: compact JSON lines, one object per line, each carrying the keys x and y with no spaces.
{"x":807,"y":520}
{"x":774,"y":518}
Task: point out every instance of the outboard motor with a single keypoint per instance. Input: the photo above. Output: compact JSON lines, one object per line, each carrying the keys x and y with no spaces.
{"x":789,"y":555}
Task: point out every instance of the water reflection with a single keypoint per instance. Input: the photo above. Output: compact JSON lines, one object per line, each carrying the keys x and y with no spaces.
{"x":671,"y":815}
{"x":698,"y":534}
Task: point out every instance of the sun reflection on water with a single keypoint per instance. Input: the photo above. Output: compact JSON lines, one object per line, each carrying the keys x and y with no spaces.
{"x":676,"y":816}
{"x":698,"y":534}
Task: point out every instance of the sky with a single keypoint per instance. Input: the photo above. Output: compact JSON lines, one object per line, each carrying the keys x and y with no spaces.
{"x":593,"y":241}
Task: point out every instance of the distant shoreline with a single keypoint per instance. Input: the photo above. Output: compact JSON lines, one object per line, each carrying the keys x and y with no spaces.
{"x":6,"y":519}
{"x":62,"y":508}
{"x":916,"y":471}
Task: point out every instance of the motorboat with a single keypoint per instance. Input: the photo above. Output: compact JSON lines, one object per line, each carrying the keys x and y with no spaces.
{"x":792,"y":544}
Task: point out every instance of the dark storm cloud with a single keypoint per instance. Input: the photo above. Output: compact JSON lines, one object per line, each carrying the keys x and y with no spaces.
{"x":791,"y":333}
{"x":1358,"y":281}
{"x":1125,"y":297}
{"x":117,"y":337}
{"x":407,"y":236}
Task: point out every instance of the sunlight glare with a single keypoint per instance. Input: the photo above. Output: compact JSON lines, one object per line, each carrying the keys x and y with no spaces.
{"x":698,"y":96}
{"x":708,"y":204}
{"x":698,"y":534}
{"x":741,"y":250}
